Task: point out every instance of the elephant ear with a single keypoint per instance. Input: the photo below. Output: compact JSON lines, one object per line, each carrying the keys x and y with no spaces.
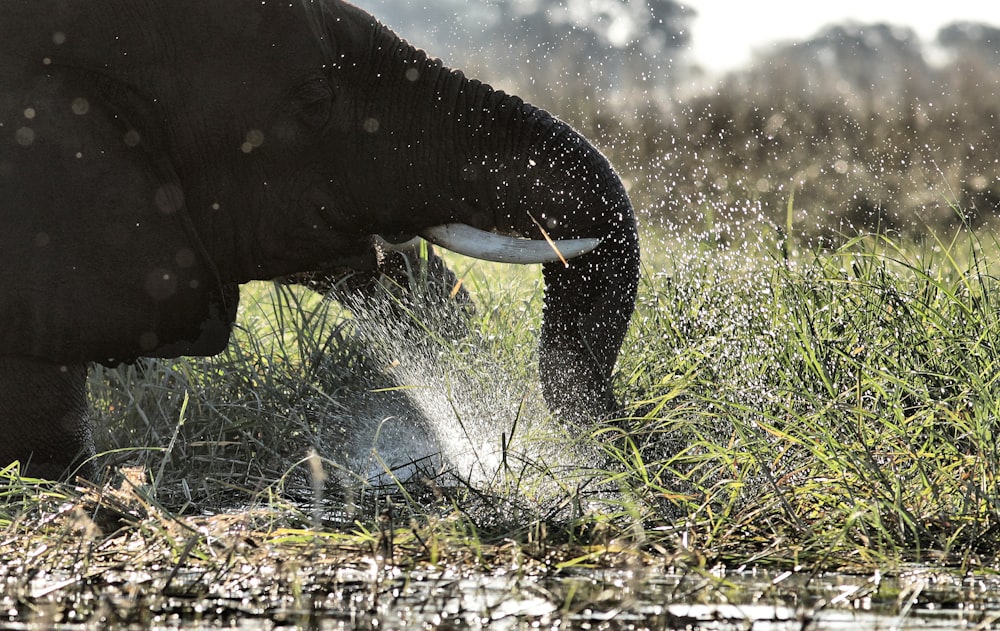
{"x":98,"y":258}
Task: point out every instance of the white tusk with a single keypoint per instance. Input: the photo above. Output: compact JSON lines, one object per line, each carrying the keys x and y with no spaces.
{"x":487,"y":246}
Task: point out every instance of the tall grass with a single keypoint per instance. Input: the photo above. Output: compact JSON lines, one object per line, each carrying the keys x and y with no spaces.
{"x":834,"y":408}
{"x":839,"y":406}
{"x":304,"y":375}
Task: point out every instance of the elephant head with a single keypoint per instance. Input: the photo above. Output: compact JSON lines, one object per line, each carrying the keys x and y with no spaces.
{"x":154,"y":155}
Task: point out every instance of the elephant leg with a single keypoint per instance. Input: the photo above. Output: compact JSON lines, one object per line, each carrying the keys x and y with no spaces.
{"x":43,"y":418}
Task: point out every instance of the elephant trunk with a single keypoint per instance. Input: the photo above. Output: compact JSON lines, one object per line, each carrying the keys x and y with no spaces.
{"x":556,"y":185}
{"x":513,"y":168}
{"x":588,"y":301}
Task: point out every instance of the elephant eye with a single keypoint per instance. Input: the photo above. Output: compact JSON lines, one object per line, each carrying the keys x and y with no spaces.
{"x":313,"y":103}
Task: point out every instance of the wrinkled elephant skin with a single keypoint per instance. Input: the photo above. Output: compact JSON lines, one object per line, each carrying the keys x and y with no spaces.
{"x":156,"y":154}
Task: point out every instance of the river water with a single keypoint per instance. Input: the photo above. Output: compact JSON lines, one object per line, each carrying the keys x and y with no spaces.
{"x":651,"y":599}
{"x":375,"y":598}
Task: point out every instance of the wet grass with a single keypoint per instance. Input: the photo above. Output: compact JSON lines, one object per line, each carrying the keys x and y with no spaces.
{"x":787,"y":408}
{"x":833,"y":407}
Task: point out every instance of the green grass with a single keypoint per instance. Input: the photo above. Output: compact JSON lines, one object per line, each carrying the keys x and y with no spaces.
{"x":835,"y":408}
{"x":825,"y":409}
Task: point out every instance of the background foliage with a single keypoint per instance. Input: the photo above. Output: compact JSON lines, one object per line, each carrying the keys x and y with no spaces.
{"x":870,"y":127}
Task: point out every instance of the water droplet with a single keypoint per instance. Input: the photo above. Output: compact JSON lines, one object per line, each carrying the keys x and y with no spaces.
{"x":161,"y":284}
{"x":148,"y":341}
{"x":80,"y":106}
{"x":169,"y":198}
{"x":254,"y":139}
{"x":24,"y":136}
{"x":185,"y":257}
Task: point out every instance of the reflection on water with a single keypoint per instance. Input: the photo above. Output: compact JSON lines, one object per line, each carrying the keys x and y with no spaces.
{"x":385,"y":598}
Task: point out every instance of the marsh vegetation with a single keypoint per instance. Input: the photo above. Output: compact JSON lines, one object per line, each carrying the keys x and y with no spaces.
{"x":809,"y":385}
{"x":788,"y":410}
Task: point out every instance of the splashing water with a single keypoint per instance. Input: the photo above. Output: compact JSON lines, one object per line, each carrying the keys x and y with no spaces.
{"x":453,"y":408}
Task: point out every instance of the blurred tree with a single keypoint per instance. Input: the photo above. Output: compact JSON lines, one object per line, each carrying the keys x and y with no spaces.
{"x":867,"y":132}
{"x":874,"y":63}
{"x":573,"y":56}
{"x":969,"y":93}
{"x":972,"y":39}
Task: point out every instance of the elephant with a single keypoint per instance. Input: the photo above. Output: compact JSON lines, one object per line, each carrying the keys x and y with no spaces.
{"x":154,"y":155}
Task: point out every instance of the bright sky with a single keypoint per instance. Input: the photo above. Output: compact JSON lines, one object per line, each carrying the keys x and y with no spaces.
{"x":727,"y":31}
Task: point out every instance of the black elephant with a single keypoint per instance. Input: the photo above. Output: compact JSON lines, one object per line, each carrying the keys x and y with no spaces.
{"x":156,"y":154}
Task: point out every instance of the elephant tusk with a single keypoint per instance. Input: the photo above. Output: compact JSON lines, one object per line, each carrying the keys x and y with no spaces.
{"x":487,"y":246}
